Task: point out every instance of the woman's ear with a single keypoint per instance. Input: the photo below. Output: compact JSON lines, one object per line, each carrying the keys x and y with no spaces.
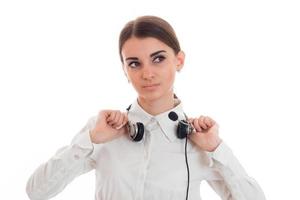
{"x":180,"y":60}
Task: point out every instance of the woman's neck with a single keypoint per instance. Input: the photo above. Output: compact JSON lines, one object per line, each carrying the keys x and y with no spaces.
{"x":157,"y":106}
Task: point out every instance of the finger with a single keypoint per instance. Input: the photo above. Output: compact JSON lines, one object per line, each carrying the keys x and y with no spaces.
{"x":117,"y":119}
{"x":208,"y":122}
{"x":111,"y":119}
{"x":123,"y":121}
{"x":196,"y":125}
{"x":104,"y":114}
{"x":190,"y":120}
{"x":201,"y":122}
{"x":111,"y":116}
{"x":212,"y":122}
{"x":118,"y":124}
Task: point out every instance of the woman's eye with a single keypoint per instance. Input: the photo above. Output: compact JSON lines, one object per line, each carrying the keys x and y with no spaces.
{"x":133,"y":64}
{"x":158,"y":59}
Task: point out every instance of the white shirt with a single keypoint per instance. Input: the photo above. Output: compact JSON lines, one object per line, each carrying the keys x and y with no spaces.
{"x":152,"y":169}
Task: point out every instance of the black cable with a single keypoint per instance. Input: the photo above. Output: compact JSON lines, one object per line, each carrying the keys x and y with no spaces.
{"x":188,"y":171}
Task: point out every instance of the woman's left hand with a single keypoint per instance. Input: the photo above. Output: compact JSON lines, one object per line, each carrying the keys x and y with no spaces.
{"x":206,"y":133}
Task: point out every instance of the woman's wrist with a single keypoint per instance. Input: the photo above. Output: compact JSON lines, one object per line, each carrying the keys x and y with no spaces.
{"x":92,"y":136}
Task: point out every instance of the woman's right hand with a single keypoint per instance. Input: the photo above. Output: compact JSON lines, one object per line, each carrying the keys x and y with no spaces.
{"x":110,"y":125}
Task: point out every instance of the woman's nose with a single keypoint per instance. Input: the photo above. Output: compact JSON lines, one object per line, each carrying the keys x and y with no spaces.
{"x":147,"y":72}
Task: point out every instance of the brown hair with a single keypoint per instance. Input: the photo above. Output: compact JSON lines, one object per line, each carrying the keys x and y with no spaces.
{"x":149,"y":26}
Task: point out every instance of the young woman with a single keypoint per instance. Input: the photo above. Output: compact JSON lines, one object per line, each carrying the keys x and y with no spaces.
{"x":174,"y":153}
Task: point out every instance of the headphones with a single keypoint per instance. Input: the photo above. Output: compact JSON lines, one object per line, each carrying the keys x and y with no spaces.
{"x":136,"y":130}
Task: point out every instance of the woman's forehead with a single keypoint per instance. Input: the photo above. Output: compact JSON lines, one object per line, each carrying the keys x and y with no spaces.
{"x":143,"y":47}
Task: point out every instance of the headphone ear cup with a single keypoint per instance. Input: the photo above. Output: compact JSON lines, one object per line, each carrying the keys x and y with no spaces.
{"x":136,"y":131}
{"x":182,"y":129}
{"x":140,"y":132}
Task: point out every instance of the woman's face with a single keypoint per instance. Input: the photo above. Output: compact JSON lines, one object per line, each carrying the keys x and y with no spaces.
{"x":150,"y":65}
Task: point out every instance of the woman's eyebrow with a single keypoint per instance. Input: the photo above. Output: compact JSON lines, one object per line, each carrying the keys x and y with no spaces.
{"x":157,"y":52}
{"x":132,"y":58}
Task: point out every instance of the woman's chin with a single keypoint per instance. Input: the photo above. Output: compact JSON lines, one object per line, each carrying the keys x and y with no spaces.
{"x":150,"y":96}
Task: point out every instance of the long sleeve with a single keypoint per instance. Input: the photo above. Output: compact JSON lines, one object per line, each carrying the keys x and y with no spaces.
{"x":236,"y":184}
{"x":69,"y":162}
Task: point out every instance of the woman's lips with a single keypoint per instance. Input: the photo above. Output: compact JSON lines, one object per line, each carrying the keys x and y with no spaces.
{"x":151,"y":86}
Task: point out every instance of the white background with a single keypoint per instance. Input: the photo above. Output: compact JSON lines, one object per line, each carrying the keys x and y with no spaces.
{"x":59,"y":65}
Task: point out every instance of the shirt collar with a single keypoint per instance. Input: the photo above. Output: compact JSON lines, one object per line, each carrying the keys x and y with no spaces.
{"x":169,"y":127}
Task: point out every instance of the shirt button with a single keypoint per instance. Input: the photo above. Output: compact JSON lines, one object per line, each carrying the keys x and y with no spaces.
{"x":76,"y":157}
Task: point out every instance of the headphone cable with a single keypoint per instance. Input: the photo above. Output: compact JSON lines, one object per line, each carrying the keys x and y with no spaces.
{"x":188,"y":170}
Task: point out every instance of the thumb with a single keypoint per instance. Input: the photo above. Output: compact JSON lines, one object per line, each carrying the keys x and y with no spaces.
{"x":124,"y":121}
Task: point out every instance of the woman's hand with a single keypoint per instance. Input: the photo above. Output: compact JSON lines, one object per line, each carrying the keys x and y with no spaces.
{"x":206,"y":133}
{"x":110,"y":125}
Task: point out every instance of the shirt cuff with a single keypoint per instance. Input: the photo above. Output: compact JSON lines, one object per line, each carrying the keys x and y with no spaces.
{"x":222,"y":154}
{"x":82,"y":144}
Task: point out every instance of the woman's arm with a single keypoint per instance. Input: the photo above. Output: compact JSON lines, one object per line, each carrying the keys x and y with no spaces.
{"x":69,"y":162}
{"x":236,"y":184}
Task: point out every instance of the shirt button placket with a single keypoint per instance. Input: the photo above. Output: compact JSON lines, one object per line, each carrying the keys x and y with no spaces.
{"x":147,"y":147}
